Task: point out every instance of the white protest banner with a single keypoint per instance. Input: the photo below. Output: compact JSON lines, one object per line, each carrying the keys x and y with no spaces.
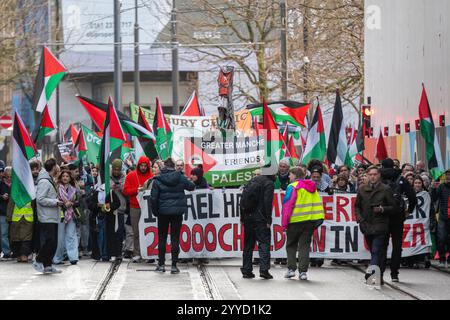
{"x":212,"y":228}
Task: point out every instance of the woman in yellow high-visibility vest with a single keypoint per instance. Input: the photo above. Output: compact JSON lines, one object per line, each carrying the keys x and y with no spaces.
{"x":302,"y":212}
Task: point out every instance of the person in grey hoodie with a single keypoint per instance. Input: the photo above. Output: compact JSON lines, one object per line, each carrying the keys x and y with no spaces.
{"x":48,"y":211}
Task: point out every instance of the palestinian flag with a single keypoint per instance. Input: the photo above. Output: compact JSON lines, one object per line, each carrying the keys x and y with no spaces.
{"x":80,"y":145}
{"x":22,"y":184}
{"x":97,"y":112}
{"x":352,"y":149}
{"x":274,"y":140}
{"x":163,"y":133}
{"x":292,"y":151}
{"x":428,"y":132}
{"x":147,"y":145}
{"x":291,"y":111}
{"x":71,"y":134}
{"x":113,"y":138}
{"x":337,"y":142}
{"x":50,"y":73}
{"x":285,"y":137}
{"x":315,"y":147}
{"x":192,"y":107}
{"x":46,"y":126}
{"x":381,"y":153}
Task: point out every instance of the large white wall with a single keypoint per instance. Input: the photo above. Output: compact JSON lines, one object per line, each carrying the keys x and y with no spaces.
{"x":407,"y":42}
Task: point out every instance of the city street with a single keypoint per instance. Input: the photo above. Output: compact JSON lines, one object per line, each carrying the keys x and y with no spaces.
{"x":219,"y":280}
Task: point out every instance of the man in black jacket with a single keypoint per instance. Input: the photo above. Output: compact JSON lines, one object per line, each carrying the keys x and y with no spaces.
{"x":169,"y":205}
{"x":257,"y":227}
{"x":374,"y":206}
{"x":401,"y":189}
{"x":441,"y":193}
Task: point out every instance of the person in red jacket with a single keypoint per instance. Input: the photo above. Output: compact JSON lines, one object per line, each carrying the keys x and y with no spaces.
{"x":134,"y":182}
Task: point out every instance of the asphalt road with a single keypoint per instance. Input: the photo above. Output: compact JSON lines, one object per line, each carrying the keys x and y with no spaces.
{"x":219,"y":280}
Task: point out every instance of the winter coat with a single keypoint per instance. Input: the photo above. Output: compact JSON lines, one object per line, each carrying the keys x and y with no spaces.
{"x":167,"y":195}
{"x":291,"y":197}
{"x":119,"y":193}
{"x":398,"y":184}
{"x":4,"y":188}
{"x":201,"y":184}
{"x":372,"y":223}
{"x":263,"y":212}
{"x":442,"y":194}
{"x":135,"y":180}
{"x":21,"y":230}
{"x":47,"y":199}
{"x":282,"y":181}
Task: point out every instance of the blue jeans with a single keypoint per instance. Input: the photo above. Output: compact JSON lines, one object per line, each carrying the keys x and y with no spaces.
{"x":4,"y":231}
{"x":67,"y":241}
{"x":101,"y":238}
{"x":378,"y":250}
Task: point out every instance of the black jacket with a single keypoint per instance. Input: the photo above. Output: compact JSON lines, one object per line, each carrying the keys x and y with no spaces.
{"x":372,"y":223}
{"x":393,"y":177}
{"x":442,"y":194}
{"x":201,"y":184}
{"x":4,"y":203}
{"x":264,"y":210}
{"x":167,"y":195}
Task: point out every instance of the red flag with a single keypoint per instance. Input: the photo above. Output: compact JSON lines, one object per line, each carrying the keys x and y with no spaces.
{"x":292,"y":149}
{"x":192,"y":107}
{"x":381,"y":148}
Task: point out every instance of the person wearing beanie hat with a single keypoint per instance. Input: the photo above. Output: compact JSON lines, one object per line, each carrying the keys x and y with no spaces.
{"x":342,"y":184}
{"x":198,"y":179}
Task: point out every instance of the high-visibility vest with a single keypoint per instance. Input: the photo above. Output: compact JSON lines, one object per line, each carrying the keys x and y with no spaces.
{"x":26,"y":212}
{"x":308,"y":206}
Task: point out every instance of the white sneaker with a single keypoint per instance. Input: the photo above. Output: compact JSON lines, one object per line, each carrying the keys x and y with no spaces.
{"x":442,"y":264}
{"x":289,"y":274}
{"x":303,"y":276}
{"x":136,"y":259}
{"x":113,"y":259}
{"x":38,"y":266}
{"x":51,"y":269}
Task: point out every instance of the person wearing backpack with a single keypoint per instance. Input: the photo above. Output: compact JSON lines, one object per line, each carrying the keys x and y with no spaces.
{"x":256,"y":216}
{"x":401,"y":189}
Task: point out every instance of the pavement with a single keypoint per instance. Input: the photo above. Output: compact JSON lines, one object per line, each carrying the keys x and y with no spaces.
{"x":221,"y":279}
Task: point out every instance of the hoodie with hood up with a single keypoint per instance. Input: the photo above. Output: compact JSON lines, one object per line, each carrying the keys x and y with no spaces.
{"x":135,"y":180}
{"x":167,"y":195}
{"x":290,"y":199}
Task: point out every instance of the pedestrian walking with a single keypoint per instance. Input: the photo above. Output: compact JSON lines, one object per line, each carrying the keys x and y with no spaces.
{"x":256,"y":216}
{"x":70,"y":216}
{"x":22,"y":224}
{"x":401,"y":189}
{"x":134,"y":183}
{"x":374,"y":204}
{"x":48,"y":209}
{"x":169,"y":205}
{"x":302,"y":213}
{"x":441,"y":193}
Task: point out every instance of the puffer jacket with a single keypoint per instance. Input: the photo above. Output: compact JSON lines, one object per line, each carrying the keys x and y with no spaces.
{"x":135,"y":180}
{"x":167,"y":195}
{"x":372,"y":223}
{"x":47,"y":199}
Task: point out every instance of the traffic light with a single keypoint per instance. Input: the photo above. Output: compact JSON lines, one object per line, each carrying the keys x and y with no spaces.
{"x":398,"y":129}
{"x":386,"y":131}
{"x":366,"y":115}
{"x":442,"y":120}
{"x":407,"y":127}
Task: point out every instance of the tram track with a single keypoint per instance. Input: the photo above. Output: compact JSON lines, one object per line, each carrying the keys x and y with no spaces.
{"x":390,"y":285}
{"x":99,"y":293}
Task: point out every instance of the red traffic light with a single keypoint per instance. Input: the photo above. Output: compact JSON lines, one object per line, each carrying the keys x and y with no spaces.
{"x":386,"y":131}
{"x":398,"y":129}
{"x":407,"y":128}
{"x":366,"y":111}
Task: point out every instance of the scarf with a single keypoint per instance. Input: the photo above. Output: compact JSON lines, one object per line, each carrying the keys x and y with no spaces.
{"x":67,"y":194}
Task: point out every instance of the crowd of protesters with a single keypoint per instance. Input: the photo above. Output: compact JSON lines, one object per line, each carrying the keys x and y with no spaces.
{"x":72,"y":218}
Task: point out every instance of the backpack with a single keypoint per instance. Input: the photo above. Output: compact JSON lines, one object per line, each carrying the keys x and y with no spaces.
{"x":249,"y":199}
{"x":398,"y":196}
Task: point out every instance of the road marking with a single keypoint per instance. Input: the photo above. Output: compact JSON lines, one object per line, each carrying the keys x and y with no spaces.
{"x":311,"y":295}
